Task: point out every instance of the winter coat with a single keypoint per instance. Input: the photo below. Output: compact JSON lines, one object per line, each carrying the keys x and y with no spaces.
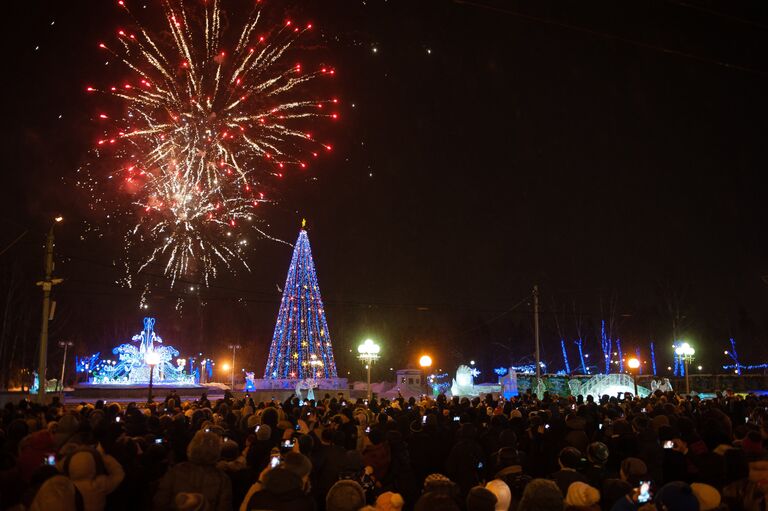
{"x":378,"y":457}
{"x":281,"y":491}
{"x":92,"y":486}
{"x":191,"y":477}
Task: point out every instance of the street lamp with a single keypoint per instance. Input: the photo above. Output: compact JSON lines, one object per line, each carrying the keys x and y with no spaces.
{"x":368,"y":352}
{"x":633,"y":364}
{"x":65,"y":345}
{"x":686,"y":352}
{"x":47,"y":286}
{"x":425,"y":361}
{"x":152,"y":358}
{"x":233,"y":347}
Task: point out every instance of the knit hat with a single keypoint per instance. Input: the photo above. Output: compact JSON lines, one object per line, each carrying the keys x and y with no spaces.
{"x":264,"y":433}
{"x":481,"y":499}
{"x":297,"y":463}
{"x":230,"y":450}
{"x":598,"y":451}
{"x":389,"y":501}
{"x":676,"y":496}
{"x":502,"y":492}
{"x":541,"y":495}
{"x":204,"y":449}
{"x":433,"y":478}
{"x":634,"y":469}
{"x":345,"y":495}
{"x":82,"y":466}
{"x":708,"y":496}
{"x":569,"y":457}
{"x":581,"y":495}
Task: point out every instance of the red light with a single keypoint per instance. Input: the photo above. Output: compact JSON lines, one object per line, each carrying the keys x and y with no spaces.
{"x":89,"y":89}
{"x":333,"y":71}
{"x":232,"y":223}
{"x":101,"y":142}
{"x":323,"y":70}
{"x":328,"y":147}
{"x":102,"y":116}
{"x":335,"y":116}
{"x":121,"y":3}
{"x":288,"y":23}
{"x":113,"y":89}
{"x":120,"y":32}
{"x":309,"y":26}
{"x":303,"y":165}
{"x":261,"y":39}
{"x":334,"y":100}
{"x":102,"y":45}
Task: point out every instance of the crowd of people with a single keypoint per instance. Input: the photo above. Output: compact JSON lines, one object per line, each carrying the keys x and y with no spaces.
{"x":664,"y":452}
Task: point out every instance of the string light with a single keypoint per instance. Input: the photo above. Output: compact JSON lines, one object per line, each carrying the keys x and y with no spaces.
{"x":301,"y":345}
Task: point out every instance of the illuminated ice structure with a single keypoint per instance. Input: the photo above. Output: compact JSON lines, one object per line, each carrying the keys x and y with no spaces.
{"x":132,"y":367}
{"x":464,"y":383}
{"x":606,"y":384}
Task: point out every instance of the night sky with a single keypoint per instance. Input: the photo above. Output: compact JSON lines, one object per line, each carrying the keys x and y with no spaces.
{"x":611,"y":152}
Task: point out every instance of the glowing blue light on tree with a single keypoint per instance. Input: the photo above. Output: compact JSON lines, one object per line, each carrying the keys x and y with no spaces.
{"x":606,"y":344}
{"x":565,"y":357}
{"x":621,"y":355}
{"x":653,"y":358}
{"x":579,"y":343}
{"x":734,"y":356}
{"x":501,"y":371}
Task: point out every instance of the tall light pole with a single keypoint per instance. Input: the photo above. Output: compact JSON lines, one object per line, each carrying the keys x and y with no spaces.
{"x":686,"y":352}
{"x":368,"y":353}
{"x":65,"y":345}
{"x":536,"y":330}
{"x":151,"y":358}
{"x":634,"y":364}
{"x":47,"y":285}
{"x":234,"y":348}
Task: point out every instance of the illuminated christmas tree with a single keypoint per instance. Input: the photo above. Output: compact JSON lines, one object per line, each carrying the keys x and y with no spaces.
{"x":301,"y":345}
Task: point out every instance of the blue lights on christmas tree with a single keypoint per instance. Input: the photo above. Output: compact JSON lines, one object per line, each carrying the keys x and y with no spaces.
{"x":301,"y":345}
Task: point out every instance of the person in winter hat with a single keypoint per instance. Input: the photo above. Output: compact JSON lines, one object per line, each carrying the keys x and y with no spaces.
{"x":502,"y":492}
{"x":676,"y":496}
{"x":389,"y":501}
{"x":708,"y":496}
{"x":197,"y":475}
{"x":345,"y":495}
{"x":95,"y":475}
{"x":285,"y":487}
{"x":582,"y":497}
{"x":541,"y":495}
{"x":57,"y":493}
{"x":481,"y":499}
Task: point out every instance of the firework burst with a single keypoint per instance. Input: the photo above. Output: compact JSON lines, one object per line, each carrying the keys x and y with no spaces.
{"x":207,"y":125}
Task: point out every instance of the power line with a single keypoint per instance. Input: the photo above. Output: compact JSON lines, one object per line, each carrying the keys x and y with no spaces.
{"x":640,"y":44}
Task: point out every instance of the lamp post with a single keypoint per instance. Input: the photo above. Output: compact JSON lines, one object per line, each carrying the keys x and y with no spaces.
{"x":47,"y":286}
{"x":633,"y":364}
{"x":151,"y":358}
{"x":234,"y":348}
{"x":65,"y":345}
{"x":686,"y":352}
{"x":368,"y":354}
